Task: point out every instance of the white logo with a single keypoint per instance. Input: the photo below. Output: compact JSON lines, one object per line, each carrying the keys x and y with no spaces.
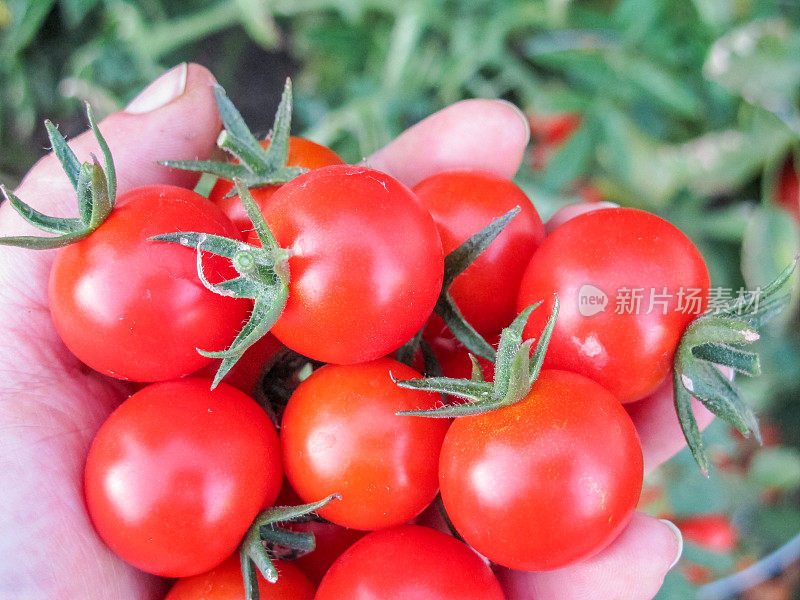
{"x":591,"y":300}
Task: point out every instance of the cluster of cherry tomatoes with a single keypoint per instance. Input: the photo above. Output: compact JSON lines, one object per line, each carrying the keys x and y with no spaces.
{"x":354,"y":261}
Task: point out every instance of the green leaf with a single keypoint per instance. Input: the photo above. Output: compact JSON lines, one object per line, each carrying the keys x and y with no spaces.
{"x":544,"y":341}
{"x":462,"y":257}
{"x":55,"y":225}
{"x":220,"y":169}
{"x":236,"y":129}
{"x":286,"y":514}
{"x":705,"y":382}
{"x":465,"y":333}
{"x":723,"y":354}
{"x":688,"y":423}
{"x":461,"y":388}
{"x":266,"y":310}
{"x":249,"y":576}
{"x":64,"y":154}
{"x":508,"y":348}
{"x":110,"y":171}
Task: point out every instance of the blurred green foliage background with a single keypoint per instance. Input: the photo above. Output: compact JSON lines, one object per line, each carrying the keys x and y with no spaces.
{"x":687,"y":108}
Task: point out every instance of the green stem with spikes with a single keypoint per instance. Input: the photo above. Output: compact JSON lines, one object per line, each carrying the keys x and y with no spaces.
{"x":96,"y":189}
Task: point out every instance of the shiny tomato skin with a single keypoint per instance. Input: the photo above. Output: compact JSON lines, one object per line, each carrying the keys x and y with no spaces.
{"x":177,"y":473}
{"x":135,"y":309}
{"x":224,"y":582}
{"x":462,"y":203}
{"x":435,"y":566}
{"x":340,"y":434}
{"x":626,"y":350}
{"x":302,"y":153}
{"x":366,"y":263}
{"x":547,"y":481}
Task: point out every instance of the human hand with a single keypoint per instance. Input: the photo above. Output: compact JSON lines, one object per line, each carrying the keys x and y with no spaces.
{"x":53,"y":405}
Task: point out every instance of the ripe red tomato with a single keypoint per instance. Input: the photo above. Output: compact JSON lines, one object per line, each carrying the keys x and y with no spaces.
{"x":302,"y":153}
{"x":599,"y":263}
{"x":544,"y":482}
{"x":225,"y":583}
{"x":366,"y":263}
{"x":463,"y":202}
{"x":412,"y":563}
{"x":177,"y":473}
{"x":135,"y":309}
{"x":340,"y":434}
{"x":712,"y":532}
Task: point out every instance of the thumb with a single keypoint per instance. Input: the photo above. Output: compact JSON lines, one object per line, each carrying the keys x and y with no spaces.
{"x":175,"y":117}
{"x":631,"y":568}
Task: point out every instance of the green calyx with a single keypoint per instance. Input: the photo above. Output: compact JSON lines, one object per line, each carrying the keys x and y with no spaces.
{"x":266,"y":533}
{"x":714,"y":340}
{"x":263,"y":276}
{"x":256,"y":167}
{"x":96,"y":189}
{"x":515,"y":372}
{"x":456,"y":263}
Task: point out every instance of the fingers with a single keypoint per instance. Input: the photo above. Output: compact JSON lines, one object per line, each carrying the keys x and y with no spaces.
{"x":632,"y":568}
{"x":489,"y":135}
{"x":175,"y":117}
{"x":658,"y":426}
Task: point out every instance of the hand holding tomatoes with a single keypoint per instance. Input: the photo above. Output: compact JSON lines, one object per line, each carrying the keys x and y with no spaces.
{"x":56,"y":405}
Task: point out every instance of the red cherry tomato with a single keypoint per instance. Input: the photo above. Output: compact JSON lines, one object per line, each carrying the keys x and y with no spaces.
{"x":225,"y":583}
{"x":412,"y":563}
{"x":463,"y":202}
{"x":340,"y":434}
{"x":135,"y":309}
{"x":712,"y":532}
{"x":547,"y":481}
{"x":366,"y":263}
{"x":177,"y":473}
{"x":302,"y":153}
{"x":599,"y":263}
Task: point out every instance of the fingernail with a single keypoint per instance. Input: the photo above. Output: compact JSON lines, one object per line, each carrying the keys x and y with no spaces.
{"x":523,"y":117}
{"x":678,"y":536}
{"x":161,"y":92}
